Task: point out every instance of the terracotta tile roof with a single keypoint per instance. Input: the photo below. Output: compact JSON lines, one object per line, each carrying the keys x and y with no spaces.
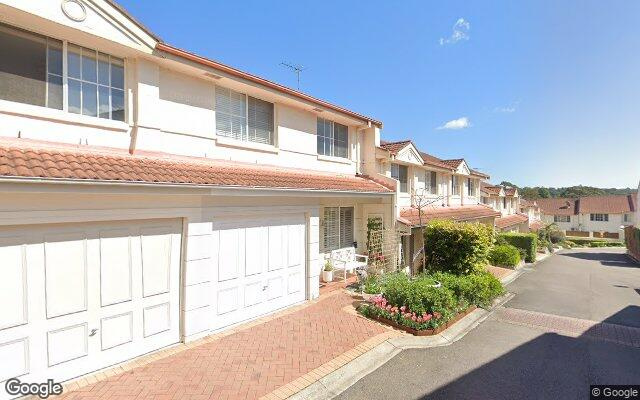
{"x":458,"y":213}
{"x":612,"y":204}
{"x":433,"y":161}
{"x":558,"y":206}
{"x":478,"y":173}
{"x":527,"y":203}
{"x":510,"y":220}
{"x":609,"y":204}
{"x":455,"y":163}
{"x":509,"y":191}
{"x":23,"y":158}
{"x":490,"y":189}
{"x":394,"y":147}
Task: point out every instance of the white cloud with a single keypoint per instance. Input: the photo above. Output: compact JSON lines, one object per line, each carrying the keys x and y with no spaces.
{"x":507,"y":109}
{"x":460,"y":123}
{"x":460,"y":32}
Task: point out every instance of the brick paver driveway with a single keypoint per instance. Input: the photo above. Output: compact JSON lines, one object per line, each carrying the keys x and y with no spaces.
{"x":247,"y":364}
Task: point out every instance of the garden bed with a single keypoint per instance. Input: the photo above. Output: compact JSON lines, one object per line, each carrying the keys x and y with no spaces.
{"x":425,"y":332}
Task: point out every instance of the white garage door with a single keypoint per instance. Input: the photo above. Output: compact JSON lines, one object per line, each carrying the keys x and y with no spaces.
{"x":258,"y":266}
{"x":79,"y":297}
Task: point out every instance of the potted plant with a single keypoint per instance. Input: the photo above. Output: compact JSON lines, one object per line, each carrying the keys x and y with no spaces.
{"x":327,"y":271}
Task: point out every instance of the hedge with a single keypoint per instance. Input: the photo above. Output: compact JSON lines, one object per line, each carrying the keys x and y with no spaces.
{"x":504,"y":255}
{"x":596,"y":243}
{"x":457,"y":247}
{"x":632,"y":240}
{"x":525,"y":241}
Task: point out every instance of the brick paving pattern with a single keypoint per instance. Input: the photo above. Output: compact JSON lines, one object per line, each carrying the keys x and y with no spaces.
{"x":575,"y":327}
{"x":250,"y":363}
{"x":499,"y":272}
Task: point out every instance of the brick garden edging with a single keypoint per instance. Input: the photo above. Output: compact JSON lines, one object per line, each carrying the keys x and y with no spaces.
{"x":425,"y":332}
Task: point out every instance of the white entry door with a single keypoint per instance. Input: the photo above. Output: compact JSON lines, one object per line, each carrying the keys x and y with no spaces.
{"x":79,"y":297}
{"x":258,"y":266}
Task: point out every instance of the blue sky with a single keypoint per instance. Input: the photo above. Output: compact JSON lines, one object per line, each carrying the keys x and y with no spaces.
{"x":550,"y":90}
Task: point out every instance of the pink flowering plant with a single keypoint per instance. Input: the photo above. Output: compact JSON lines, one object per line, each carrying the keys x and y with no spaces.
{"x":418,"y":304}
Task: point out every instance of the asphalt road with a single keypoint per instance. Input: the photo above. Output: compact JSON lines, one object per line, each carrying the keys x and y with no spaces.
{"x":501,"y":360}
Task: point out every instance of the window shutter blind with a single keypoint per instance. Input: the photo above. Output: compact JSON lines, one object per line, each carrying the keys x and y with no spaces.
{"x":331,"y":228}
{"x":260,"y":121}
{"x":231,"y":117}
{"x":346,"y":226}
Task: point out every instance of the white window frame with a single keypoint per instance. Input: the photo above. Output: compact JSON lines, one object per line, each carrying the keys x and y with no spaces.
{"x":562,"y":218}
{"x":325,"y":247}
{"x":599,"y":217}
{"x":332,"y":139}
{"x":246,"y":118}
{"x":431,"y":182}
{"x":398,"y":167}
{"x":65,"y":86}
{"x":455,"y":185}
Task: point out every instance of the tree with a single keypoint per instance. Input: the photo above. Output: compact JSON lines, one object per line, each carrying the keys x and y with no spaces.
{"x":509,"y":184}
{"x":421,"y":201}
{"x":544,"y":193}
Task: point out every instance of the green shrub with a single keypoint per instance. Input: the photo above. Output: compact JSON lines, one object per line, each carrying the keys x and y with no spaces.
{"x":372,"y":284}
{"x":568,"y":244}
{"x":457,"y":247}
{"x":479,"y":288}
{"x":584,"y":242}
{"x":556,"y":236}
{"x":504,"y":255}
{"x":525,"y":241}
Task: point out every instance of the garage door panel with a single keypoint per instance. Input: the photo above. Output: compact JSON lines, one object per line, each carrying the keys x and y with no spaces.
{"x":156,"y":261}
{"x":116,"y":330}
{"x":294,"y":283}
{"x":256,"y":250}
{"x":253,"y":293}
{"x":275,"y":287}
{"x":18,"y":352}
{"x":157,"y":319}
{"x":68,"y":343}
{"x":65,"y":274}
{"x":277,"y":247}
{"x":13,"y":287}
{"x":115,"y":267}
{"x":227,"y":300}
{"x":230,"y":254}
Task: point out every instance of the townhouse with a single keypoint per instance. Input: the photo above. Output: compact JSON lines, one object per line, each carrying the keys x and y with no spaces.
{"x":531,"y":209}
{"x":149,"y":195}
{"x":506,"y":201}
{"x":591,"y":216}
{"x":429,"y":188}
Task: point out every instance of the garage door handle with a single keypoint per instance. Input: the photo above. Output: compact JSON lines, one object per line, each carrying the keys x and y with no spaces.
{"x":93,"y":332}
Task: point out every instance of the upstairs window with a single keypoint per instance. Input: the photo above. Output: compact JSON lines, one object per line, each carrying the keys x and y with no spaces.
{"x":32,"y":72}
{"x":600,"y":217}
{"x":470,"y":187}
{"x":561,"y":218}
{"x":400,"y":172}
{"x":455,"y":186}
{"x":96,"y":83}
{"x":333,"y":138}
{"x":30,"y":68}
{"x":504,"y":203}
{"x":243,"y":117}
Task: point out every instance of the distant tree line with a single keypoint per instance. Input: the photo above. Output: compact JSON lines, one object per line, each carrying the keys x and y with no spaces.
{"x":541,"y":192}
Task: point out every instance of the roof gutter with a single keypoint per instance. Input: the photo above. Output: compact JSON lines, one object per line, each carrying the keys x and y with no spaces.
{"x":256,"y":79}
{"x":214,"y":189}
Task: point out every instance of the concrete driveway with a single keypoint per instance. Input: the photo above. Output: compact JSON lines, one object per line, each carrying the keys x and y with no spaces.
{"x":573,"y":322}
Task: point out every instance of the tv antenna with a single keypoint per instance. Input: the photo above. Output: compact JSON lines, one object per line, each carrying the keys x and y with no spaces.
{"x":295,"y":68}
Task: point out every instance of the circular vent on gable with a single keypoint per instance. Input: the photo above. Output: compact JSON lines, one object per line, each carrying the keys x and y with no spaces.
{"x":74,"y":10}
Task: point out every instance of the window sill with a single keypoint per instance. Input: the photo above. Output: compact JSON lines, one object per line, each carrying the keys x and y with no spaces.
{"x":340,"y":160}
{"x":50,"y":114}
{"x":228,"y":142}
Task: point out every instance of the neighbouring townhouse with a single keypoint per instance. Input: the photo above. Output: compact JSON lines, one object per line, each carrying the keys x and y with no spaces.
{"x":506,"y":201}
{"x":149,"y":195}
{"x":531,"y":209}
{"x":429,"y":188}
{"x":591,"y":216}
